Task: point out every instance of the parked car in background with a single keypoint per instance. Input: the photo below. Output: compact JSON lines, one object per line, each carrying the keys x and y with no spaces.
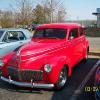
{"x":47,"y":61}
{"x":10,"y":39}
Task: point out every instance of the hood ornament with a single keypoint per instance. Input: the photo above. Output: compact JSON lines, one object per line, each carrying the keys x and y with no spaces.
{"x":18,"y":56}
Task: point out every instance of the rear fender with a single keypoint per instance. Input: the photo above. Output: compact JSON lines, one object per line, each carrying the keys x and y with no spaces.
{"x":86,"y":48}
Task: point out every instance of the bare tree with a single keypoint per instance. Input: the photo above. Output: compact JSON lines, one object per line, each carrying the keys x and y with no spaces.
{"x":6,"y":19}
{"x":23,"y":11}
{"x":55,"y":8}
{"x":61,"y":14}
{"x":0,"y":18}
{"x":49,"y":11}
{"x":46,"y":11}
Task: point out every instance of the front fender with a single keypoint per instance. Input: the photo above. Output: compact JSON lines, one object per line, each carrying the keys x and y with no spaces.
{"x":58,"y":63}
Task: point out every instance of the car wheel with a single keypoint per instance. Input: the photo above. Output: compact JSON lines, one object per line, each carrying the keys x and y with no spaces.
{"x":62,"y":79}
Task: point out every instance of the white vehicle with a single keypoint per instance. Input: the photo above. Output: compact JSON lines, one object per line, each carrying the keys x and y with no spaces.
{"x":10,"y":39}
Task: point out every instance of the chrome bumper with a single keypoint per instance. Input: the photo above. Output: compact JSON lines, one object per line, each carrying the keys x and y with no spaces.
{"x":23,"y":84}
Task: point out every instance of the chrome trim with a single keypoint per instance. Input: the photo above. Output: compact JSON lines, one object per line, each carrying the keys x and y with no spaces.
{"x":45,"y":50}
{"x":34,"y":58}
{"x":23,"y":84}
{"x":55,"y":49}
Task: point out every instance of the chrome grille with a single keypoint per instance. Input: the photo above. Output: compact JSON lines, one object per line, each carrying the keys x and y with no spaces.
{"x":25,"y":75}
{"x":28,"y":75}
{"x":13,"y":72}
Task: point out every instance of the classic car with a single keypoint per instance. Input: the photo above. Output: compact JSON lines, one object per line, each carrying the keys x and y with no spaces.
{"x":10,"y":39}
{"x":47,"y":61}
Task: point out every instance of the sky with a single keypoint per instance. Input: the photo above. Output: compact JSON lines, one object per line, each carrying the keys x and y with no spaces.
{"x":76,"y":9}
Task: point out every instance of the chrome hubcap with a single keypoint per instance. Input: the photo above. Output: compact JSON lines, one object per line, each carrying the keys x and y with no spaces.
{"x":62,"y":78}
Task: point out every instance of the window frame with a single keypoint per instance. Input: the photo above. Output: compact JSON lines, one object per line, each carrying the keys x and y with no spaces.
{"x":13,"y":31}
{"x":74,"y":33}
{"x":81,"y":31}
{"x":44,"y":29}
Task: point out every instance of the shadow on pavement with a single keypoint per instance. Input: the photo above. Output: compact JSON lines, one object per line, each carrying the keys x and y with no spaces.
{"x":13,"y":88}
{"x":78,"y":74}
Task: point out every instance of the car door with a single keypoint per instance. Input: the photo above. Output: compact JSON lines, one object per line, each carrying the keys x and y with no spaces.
{"x":74,"y":45}
{"x":22,"y":38}
{"x":11,"y":41}
{"x":82,"y":40}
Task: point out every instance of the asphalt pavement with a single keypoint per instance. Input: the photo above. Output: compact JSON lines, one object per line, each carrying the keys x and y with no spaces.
{"x":80,"y":71}
{"x":94,"y":43}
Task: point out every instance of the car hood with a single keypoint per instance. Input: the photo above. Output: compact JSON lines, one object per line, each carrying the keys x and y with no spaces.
{"x":37,"y":47}
{"x":1,"y":42}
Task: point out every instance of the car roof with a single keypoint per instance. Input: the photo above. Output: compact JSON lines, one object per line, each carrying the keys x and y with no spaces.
{"x":59,"y":25}
{"x":26,"y":32}
{"x":12,"y":29}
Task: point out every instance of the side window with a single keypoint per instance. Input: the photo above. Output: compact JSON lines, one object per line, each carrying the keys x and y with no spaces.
{"x":11,"y":36}
{"x":82,"y":31}
{"x":73,"y":33}
{"x":39,"y":33}
{"x":21,"y":36}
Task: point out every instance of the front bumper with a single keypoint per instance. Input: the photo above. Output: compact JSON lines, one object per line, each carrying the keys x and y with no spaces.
{"x":23,"y":84}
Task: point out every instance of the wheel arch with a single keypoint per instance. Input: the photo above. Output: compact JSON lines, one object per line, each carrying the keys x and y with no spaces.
{"x":69,"y":70}
{"x":88,"y":48}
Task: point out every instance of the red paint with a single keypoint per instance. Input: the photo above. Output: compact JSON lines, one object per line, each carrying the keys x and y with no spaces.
{"x":56,"y":52}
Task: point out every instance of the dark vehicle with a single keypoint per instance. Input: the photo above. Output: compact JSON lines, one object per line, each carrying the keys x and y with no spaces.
{"x":97,"y":84}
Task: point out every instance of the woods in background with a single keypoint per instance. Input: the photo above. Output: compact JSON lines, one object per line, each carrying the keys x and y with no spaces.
{"x":25,"y":12}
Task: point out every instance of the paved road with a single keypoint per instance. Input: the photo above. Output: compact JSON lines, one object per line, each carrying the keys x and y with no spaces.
{"x":10,"y":92}
{"x":94,"y":42}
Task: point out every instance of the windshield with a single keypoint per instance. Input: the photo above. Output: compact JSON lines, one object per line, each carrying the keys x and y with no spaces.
{"x":50,"y":33}
{"x":1,"y":33}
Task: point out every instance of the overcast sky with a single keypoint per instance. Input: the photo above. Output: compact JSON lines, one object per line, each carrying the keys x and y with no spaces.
{"x":76,"y":9}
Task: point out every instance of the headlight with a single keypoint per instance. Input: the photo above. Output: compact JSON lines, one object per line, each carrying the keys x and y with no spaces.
{"x":1,"y":63}
{"x":48,"y":68}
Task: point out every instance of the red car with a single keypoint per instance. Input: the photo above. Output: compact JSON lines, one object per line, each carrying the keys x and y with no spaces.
{"x":47,"y":61}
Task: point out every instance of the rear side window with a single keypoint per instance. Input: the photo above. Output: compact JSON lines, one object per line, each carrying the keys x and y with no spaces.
{"x":73,"y":33}
{"x":82,"y":31}
{"x":21,"y":36}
